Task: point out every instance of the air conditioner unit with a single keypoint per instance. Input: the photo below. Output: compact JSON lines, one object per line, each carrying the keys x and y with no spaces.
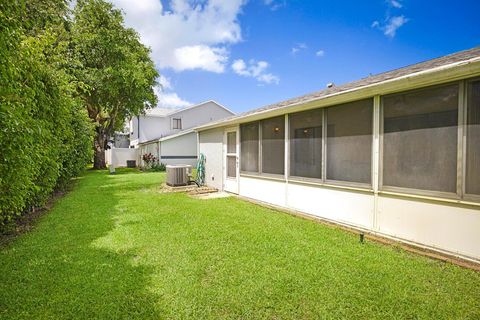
{"x":177,"y":175}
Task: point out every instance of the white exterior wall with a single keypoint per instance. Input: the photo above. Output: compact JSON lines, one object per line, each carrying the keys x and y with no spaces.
{"x":151,"y":127}
{"x":211,"y":145}
{"x":179,"y":150}
{"x":449,"y":227}
{"x":117,"y":157}
{"x":265,"y":190}
{"x":155,"y":127}
{"x":193,"y":117}
{"x":353,"y":208}
{"x":147,"y":148}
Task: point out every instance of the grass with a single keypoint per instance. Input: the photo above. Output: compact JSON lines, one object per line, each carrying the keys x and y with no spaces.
{"x":116,"y":248}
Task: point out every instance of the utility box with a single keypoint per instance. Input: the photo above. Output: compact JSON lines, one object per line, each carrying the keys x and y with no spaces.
{"x":178,"y":175}
{"x":131,"y":163}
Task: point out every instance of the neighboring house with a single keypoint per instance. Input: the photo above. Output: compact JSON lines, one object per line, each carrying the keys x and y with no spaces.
{"x":168,"y":134}
{"x":395,"y":154}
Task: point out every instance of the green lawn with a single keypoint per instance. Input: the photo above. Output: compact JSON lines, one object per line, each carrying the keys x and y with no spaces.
{"x":117,"y":248}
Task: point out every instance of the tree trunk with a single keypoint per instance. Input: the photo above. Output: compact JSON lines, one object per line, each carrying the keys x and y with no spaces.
{"x":100,"y":143}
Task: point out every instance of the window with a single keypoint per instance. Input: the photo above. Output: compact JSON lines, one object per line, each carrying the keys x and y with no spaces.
{"x":231,"y":154}
{"x":420,"y":139}
{"x":349,"y":141}
{"x":231,"y":167}
{"x":472,"y":179}
{"x":177,"y":123}
{"x":231,"y":142}
{"x":249,"y":147}
{"x":306,"y":144}
{"x":273,"y":145}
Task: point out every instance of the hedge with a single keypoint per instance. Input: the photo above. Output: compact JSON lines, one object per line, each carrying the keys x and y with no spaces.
{"x":45,"y":134}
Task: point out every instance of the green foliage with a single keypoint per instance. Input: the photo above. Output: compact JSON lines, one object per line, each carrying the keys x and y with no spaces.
{"x":62,"y":80}
{"x":46,"y":135}
{"x":115,"y":69}
{"x":158,"y":167}
{"x":152,"y":163}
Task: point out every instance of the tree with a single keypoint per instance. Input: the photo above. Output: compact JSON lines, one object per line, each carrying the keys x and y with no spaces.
{"x":115,"y":70}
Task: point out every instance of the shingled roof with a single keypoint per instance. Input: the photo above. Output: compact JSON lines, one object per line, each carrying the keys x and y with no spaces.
{"x":371,"y":80}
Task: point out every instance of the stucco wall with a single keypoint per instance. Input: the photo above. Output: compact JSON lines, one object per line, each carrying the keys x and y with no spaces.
{"x":205,"y":113}
{"x":155,"y":127}
{"x":148,"y":148}
{"x":117,"y":157}
{"x":150,"y":128}
{"x":179,"y":150}
{"x":211,"y":145}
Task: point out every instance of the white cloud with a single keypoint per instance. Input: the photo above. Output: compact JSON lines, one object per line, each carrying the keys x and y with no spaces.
{"x":393,"y":24}
{"x":240,"y":67}
{"x":164,"y":83}
{"x":299,"y":47}
{"x":274,"y":5}
{"x":200,"y":57}
{"x":320,"y":53}
{"x":172,"y":100}
{"x":395,"y":4}
{"x":169,"y":100}
{"x":166,"y":97}
{"x":255,"y":69}
{"x":190,"y":35}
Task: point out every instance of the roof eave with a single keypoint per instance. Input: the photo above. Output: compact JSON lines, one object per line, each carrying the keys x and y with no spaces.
{"x":446,"y":73}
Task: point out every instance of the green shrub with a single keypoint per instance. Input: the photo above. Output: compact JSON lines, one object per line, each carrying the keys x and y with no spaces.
{"x":46,"y":135}
{"x":158,"y":166}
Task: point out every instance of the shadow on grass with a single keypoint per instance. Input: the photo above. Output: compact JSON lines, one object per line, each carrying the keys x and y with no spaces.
{"x":56,"y":271}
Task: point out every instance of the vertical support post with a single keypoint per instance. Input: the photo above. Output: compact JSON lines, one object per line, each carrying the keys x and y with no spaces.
{"x":324,"y":144}
{"x":260,"y":169}
{"x":238,"y":146}
{"x":287,"y":158}
{"x":376,"y":158}
{"x":461,"y":139}
{"x":287,"y":150}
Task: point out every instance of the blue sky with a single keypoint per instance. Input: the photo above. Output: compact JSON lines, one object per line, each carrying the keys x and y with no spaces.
{"x":247,"y":54}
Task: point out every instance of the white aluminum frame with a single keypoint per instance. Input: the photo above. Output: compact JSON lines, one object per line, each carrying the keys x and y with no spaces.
{"x":376,"y":187}
{"x":420,"y":192}
{"x":466,"y":196}
{"x":226,"y":154}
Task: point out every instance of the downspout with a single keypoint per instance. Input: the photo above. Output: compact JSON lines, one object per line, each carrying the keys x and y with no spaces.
{"x":138,"y":133}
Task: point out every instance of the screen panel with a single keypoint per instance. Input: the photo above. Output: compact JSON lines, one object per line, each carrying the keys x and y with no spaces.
{"x":349,"y":142}
{"x":420,"y":139}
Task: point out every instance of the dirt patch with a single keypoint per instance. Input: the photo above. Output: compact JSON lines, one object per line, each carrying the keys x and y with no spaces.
{"x":191,"y":189}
